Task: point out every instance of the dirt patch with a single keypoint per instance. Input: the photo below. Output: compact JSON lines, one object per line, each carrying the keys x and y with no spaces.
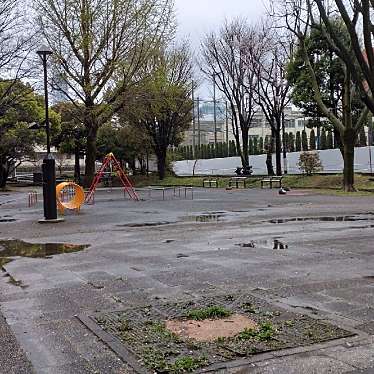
{"x":210,"y":330}
{"x":154,"y":344}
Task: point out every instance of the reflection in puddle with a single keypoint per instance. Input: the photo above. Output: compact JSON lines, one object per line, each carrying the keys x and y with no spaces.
{"x":146,"y":224}
{"x":19,"y":248}
{"x":206,"y":217}
{"x":274,"y":244}
{"x":347,"y":218}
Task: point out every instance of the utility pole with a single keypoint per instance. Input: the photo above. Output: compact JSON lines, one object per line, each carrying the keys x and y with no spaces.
{"x":227,"y":130}
{"x":284,"y":144}
{"x":193,"y":122}
{"x":198,"y":126}
{"x":215,"y":114}
{"x":370,"y":141}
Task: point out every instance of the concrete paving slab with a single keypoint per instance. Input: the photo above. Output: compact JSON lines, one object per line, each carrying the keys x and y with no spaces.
{"x":327,"y":267}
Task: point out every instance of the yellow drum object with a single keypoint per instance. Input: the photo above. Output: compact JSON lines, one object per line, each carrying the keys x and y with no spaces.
{"x":69,"y":196}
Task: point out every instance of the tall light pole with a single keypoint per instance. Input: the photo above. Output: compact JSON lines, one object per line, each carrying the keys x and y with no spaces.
{"x":215,"y":114}
{"x":193,"y":122}
{"x":48,"y":167}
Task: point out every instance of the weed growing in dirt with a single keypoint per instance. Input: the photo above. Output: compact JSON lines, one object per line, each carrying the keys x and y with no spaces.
{"x":265,"y":332}
{"x":212,"y":312}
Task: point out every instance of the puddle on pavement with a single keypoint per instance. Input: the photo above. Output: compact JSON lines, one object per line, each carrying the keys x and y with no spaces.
{"x":146,"y":224}
{"x":205,"y":218}
{"x":347,"y":218}
{"x":274,"y":244}
{"x":19,"y":248}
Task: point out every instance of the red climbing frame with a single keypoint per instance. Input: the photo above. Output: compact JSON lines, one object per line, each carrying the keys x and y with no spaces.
{"x":127,"y":185}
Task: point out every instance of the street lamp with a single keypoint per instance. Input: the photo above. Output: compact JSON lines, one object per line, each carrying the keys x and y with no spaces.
{"x":48,"y":167}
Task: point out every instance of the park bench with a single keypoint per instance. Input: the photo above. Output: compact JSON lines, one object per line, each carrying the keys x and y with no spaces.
{"x":210,"y":182}
{"x":271,"y":181}
{"x":180,"y":190}
{"x":237,"y":181}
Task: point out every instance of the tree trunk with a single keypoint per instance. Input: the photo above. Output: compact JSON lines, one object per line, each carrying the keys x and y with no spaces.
{"x":269,"y":155}
{"x":132,"y":166}
{"x":77,"y":166}
{"x":245,"y":155}
{"x":318,"y":137}
{"x":4,"y":172}
{"x":161,"y":164}
{"x":143,"y":166}
{"x":90,"y":157}
{"x":278,"y":151}
{"x":349,"y":157}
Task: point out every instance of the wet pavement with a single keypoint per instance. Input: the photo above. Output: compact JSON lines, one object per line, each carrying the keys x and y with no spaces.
{"x":307,"y":253}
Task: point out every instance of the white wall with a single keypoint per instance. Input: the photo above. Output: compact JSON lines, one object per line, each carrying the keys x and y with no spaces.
{"x":331,"y":159}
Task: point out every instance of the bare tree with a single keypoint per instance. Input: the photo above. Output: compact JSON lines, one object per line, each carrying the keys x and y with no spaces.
{"x":358,"y":18}
{"x":14,"y":48}
{"x":272,"y":87}
{"x":228,"y":57}
{"x":99,"y":47}
{"x":299,"y":17}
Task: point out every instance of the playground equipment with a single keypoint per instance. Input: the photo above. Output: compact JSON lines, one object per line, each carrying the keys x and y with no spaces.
{"x":111,"y":161}
{"x":69,"y":196}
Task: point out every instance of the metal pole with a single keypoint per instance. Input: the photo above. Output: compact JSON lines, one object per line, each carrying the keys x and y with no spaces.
{"x":284,"y":145}
{"x":193,"y":123}
{"x":44,"y":58}
{"x":227,"y":130}
{"x":198,"y":125}
{"x":48,"y":167}
{"x":215,"y":114}
{"x":370,"y":141}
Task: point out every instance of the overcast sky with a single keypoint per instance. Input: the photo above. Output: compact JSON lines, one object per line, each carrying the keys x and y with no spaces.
{"x":197,"y":17}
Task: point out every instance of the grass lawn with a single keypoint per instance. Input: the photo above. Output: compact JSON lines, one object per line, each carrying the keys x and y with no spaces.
{"x":324,"y":183}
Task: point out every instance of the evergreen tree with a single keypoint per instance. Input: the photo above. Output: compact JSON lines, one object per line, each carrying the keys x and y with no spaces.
{"x":304,"y":141}
{"x":202,"y":152}
{"x":250,"y":146}
{"x":298,"y":142}
{"x":285,"y":142}
{"x":330,"y":140}
{"x":197,"y":153}
{"x":210,"y":151}
{"x":232,"y":148}
{"x":291,"y":142}
{"x":206,"y":151}
{"x":312,"y":141}
{"x":323,"y":139}
{"x":255,"y":146}
{"x":190,"y":152}
{"x":261,"y":146}
{"x":224,"y":150}
{"x":362,"y":138}
{"x":219,"y":150}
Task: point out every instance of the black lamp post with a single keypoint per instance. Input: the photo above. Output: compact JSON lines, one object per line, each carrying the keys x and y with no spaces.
{"x":48,"y":167}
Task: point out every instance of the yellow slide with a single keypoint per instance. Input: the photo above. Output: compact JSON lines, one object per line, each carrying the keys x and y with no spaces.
{"x":69,"y":196}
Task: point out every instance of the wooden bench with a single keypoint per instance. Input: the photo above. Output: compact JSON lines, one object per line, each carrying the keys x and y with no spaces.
{"x":236,"y":181}
{"x":271,"y":181}
{"x":210,"y":182}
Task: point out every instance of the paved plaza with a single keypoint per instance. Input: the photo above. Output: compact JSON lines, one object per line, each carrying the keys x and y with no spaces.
{"x":306,"y":253}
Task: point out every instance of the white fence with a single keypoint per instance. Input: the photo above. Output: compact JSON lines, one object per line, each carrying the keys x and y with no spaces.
{"x":331,"y":159}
